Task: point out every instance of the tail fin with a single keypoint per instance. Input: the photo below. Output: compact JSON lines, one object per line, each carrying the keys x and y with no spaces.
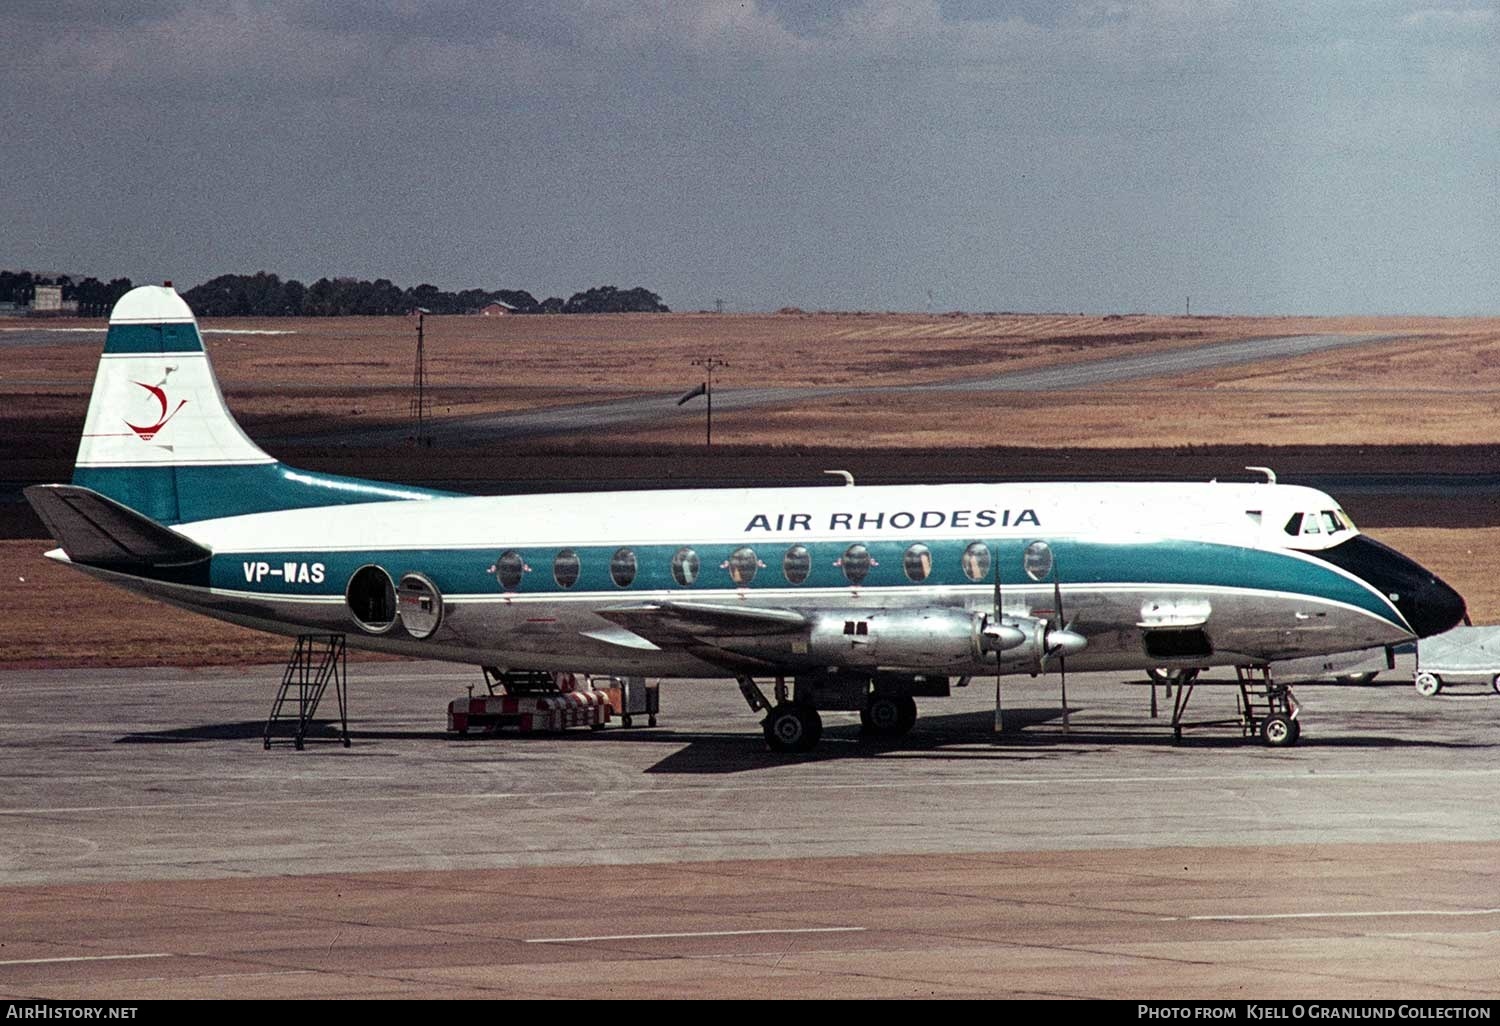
{"x":160,"y":440}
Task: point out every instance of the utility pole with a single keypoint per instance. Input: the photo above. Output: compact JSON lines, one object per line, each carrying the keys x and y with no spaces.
{"x":710,"y":363}
{"x":419,"y":399}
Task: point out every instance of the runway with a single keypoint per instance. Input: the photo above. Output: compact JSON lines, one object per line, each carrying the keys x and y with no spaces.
{"x":150,"y":847}
{"x":1086,"y":374}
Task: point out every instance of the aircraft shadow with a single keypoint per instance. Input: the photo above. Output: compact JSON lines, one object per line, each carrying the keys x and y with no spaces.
{"x":967,"y":737}
{"x":1030,"y":734}
{"x":321,"y":731}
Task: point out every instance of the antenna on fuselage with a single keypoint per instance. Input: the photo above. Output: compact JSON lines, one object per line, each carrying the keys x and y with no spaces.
{"x":848,"y":477}
{"x":1270,"y":474}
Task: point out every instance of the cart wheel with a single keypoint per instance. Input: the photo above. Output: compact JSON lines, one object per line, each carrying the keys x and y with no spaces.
{"x":1428,"y":684}
{"x":1278,"y":731}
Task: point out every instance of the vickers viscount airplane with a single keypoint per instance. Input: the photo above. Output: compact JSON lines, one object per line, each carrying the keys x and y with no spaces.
{"x":864,"y":597}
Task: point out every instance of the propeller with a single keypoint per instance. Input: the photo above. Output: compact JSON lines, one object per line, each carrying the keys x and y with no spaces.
{"x":997,"y":627}
{"x":1061,"y":641}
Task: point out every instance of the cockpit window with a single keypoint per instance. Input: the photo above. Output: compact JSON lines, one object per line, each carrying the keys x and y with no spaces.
{"x":1332,"y":522}
{"x":1294,"y":525}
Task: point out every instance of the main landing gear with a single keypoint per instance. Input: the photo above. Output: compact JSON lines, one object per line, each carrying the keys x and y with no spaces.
{"x":888,"y":715}
{"x":792,"y":722}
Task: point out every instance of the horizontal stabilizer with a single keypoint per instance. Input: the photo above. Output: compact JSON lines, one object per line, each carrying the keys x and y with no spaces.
{"x":98,"y":531}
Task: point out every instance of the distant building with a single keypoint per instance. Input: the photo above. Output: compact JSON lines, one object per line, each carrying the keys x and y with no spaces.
{"x":497,"y":309}
{"x":47,"y":301}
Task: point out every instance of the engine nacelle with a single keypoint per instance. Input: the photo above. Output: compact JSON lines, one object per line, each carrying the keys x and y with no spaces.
{"x":924,"y":639}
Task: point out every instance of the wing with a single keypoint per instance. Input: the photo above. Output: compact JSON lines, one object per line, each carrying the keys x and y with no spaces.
{"x":701,"y":628}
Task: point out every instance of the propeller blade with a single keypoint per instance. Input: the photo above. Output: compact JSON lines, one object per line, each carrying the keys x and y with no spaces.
{"x":996,"y":626}
{"x":1062,"y":672}
{"x":1063,"y":638}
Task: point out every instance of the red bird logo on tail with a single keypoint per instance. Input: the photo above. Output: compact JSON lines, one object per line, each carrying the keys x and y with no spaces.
{"x":149,"y":432}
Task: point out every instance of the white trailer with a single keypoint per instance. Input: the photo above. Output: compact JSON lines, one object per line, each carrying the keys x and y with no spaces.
{"x":1464,"y":655}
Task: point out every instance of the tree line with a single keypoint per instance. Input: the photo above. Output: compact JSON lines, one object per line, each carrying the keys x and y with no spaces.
{"x":94,"y":297}
{"x":266,"y":295}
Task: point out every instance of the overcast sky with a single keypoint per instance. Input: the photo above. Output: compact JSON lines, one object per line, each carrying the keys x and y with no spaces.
{"x":1320,"y":157}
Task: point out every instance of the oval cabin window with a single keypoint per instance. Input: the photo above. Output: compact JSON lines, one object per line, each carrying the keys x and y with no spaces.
{"x":976,"y":562}
{"x":565,"y":568}
{"x":796,"y":564}
{"x":742,"y":565}
{"x":509,"y":568}
{"x":622,"y":567}
{"x":856,"y":563}
{"x":917,"y":563}
{"x":1037,"y":561}
{"x":685,"y":567}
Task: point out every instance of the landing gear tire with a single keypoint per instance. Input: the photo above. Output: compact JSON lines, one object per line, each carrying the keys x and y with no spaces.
{"x":1167,"y":675}
{"x":1428,"y":684}
{"x":792,"y":728}
{"x":1279,"y":731}
{"x":1496,"y":683}
{"x":888,"y":715}
{"x":1355,"y":678}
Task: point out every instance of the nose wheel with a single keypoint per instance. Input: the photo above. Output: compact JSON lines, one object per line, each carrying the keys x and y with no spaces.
{"x":1280,"y":731}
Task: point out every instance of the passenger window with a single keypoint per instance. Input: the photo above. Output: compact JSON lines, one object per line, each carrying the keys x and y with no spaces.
{"x":685,"y":567}
{"x":856,"y":563}
{"x":977,"y":562}
{"x":917,"y":563}
{"x":742,"y":565}
{"x":796,"y":564}
{"x":1294,"y":525}
{"x":622,"y":567}
{"x":509,"y":568}
{"x":565,"y":568}
{"x":1037,"y":561}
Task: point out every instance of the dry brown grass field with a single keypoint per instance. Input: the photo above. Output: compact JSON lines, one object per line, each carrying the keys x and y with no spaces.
{"x":1439,"y":386}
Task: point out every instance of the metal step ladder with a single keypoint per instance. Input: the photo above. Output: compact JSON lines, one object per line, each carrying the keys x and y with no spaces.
{"x":317,"y":661}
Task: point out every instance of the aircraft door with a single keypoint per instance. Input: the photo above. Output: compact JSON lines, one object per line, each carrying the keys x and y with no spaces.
{"x":420,"y":606}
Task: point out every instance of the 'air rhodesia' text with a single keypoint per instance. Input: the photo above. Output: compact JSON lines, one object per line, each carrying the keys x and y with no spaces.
{"x":900,"y":521}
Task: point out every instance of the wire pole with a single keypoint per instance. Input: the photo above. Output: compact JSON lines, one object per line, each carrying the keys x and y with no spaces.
{"x":419,"y":383}
{"x":710,"y":364}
